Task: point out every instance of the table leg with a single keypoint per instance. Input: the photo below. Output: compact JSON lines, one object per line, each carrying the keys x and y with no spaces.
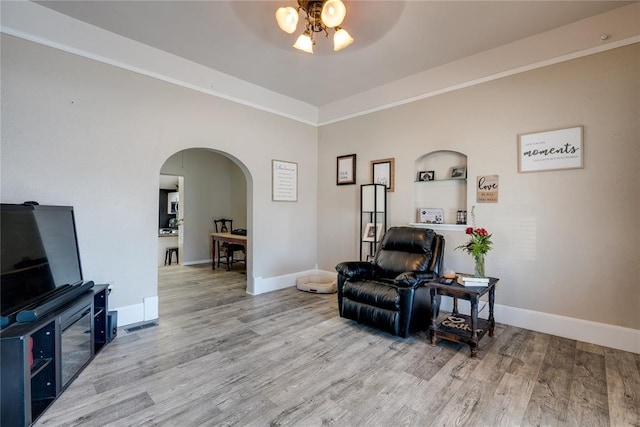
{"x":474,"y":326}
{"x":213,"y":253}
{"x":433,"y":328}
{"x":492,"y":322}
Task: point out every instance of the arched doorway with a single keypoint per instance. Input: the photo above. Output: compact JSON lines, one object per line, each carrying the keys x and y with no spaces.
{"x":212,"y":185}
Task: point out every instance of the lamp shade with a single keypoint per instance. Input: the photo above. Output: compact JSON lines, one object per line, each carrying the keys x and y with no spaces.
{"x":333,"y":13}
{"x":287,"y":18}
{"x":341,"y":39}
{"x":304,"y":43}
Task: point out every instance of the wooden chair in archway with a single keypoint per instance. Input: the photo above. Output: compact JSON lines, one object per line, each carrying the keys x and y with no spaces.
{"x":225,"y":251}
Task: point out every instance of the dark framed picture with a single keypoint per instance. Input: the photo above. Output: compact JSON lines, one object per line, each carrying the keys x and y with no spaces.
{"x":346,"y":169}
{"x":458,"y":172}
{"x":426,"y":175}
{"x":382,"y":172}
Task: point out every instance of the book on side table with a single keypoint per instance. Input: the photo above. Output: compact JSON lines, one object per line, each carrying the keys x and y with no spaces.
{"x":469,"y":280}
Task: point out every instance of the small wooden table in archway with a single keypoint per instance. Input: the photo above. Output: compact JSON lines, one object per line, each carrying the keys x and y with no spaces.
{"x":228,"y":238}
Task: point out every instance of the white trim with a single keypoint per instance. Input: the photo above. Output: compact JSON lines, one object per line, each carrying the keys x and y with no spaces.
{"x":36,"y":23}
{"x":447,"y":227}
{"x":617,"y":337}
{"x":129,"y":314}
{"x":612,"y":336}
{"x":261,"y":286}
{"x":474,"y":82}
{"x":202,"y":261}
{"x":150,"y":308}
{"x":39,"y":24}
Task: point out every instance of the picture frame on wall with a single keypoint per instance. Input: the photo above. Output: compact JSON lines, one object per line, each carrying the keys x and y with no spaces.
{"x":284,"y":181}
{"x":426,"y":175}
{"x":431,"y":215}
{"x":551,"y":150}
{"x":372,"y":232}
{"x":346,"y":169}
{"x":458,"y":172}
{"x":383,"y":172}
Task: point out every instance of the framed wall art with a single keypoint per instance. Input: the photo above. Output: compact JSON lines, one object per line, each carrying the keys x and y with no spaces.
{"x":346,"y":170}
{"x":426,"y":175}
{"x":458,"y":172}
{"x":372,"y":232}
{"x":551,"y":150}
{"x":431,"y":215}
{"x":382,"y":172}
{"x":284,"y":181}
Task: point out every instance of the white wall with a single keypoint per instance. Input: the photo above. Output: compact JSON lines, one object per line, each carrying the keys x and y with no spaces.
{"x":82,"y":133}
{"x":214,"y":187}
{"x":566,"y":242}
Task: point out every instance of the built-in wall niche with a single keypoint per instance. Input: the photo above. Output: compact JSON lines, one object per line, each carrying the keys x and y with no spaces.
{"x":440,"y":183}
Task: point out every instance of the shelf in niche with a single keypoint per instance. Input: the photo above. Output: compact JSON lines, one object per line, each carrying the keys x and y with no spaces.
{"x":442,"y":180}
{"x":444,"y":227}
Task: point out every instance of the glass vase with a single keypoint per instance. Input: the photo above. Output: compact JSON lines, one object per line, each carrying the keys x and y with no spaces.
{"x":478,"y":265}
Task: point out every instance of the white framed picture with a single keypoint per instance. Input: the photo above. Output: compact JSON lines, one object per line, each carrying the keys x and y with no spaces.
{"x":372,"y":232}
{"x":431,"y":215}
{"x":551,"y":150}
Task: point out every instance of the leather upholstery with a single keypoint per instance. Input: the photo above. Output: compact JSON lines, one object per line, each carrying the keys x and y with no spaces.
{"x":389,"y":293}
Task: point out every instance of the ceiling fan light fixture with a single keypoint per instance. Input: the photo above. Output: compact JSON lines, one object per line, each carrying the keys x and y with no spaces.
{"x":319,"y":16}
{"x":304,"y":42}
{"x":287,"y":18}
{"x":341,"y":39}
{"x":333,"y":13}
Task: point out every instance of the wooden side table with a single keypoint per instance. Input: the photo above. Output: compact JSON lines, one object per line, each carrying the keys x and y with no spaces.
{"x":460,"y":327}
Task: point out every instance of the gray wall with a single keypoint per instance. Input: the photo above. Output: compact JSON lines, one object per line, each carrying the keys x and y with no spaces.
{"x":82,"y":133}
{"x":566,"y":242}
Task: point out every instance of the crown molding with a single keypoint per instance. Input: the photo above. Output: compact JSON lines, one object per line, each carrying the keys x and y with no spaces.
{"x":36,"y":23}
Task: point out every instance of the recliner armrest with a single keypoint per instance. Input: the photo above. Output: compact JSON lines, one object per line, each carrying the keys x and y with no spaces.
{"x":413,"y":278}
{"x":357,"y":269}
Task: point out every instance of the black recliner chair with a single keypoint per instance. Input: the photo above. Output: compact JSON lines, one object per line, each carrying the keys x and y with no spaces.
{"x":389,"y":293}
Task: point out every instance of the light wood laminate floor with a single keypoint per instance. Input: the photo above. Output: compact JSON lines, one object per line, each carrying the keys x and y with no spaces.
{"x":221,"y":357}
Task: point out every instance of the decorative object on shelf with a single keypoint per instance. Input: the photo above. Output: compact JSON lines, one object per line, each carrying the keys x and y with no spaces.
{"x":383,"y":172}
{"x":469,"y":280}
{"x":372,"y":232}
{"x":487,"y":189}
{"x":458,"y":172}
{"x":461,"y":217}
{"x":431,"y":215}
{"x":319,"y":16}
{"x":346,"y":170}
{"x":478,"y":245}
{"x":551,"y":150}
{"x":426,"y":175}
{"x":284,"y":182}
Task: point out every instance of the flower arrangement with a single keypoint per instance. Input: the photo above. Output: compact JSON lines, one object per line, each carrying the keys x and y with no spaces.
{"x":478,"y":245}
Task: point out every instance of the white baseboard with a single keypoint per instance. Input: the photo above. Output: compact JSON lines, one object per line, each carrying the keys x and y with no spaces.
{"x":617,"y":337}
{"x":136,"y":313}
{"x":261,"y":286}
{"x":202,"y":261}
{"x":150,"y":308}
{"x":129,"y":314}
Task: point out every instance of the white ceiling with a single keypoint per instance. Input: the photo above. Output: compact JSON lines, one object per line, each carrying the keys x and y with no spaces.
{"x":393,"y":39}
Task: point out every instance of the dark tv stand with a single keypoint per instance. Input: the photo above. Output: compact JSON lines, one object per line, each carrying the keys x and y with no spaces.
{"x":40,"y":359}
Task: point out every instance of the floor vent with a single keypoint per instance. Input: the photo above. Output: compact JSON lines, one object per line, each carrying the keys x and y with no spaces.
{"x":139,"y":327}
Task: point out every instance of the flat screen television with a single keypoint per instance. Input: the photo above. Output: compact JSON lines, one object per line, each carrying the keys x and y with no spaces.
{"x":39,"y":256}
